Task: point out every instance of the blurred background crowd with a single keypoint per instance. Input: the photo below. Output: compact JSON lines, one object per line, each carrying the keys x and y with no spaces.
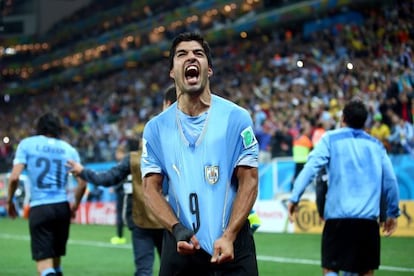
{"x":294,"y":74}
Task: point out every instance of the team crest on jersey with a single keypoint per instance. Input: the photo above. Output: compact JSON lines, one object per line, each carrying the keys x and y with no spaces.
{"x":248,"y":137}
{"x":211,"y":173}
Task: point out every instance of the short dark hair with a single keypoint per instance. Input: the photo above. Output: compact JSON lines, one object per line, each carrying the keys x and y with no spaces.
{"x":49,"y":124}
{"x":190,"y":36}
{"x":170,"y":94}
{"x":355,"y":114}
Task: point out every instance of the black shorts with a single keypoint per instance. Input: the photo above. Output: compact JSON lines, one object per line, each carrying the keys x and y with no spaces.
{"x":244,"y":262}
{"x":351,"y":245}
{"x":49,"y":230}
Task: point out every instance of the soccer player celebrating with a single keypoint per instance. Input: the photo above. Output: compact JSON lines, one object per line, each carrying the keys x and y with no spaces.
{"x":205,"y":146}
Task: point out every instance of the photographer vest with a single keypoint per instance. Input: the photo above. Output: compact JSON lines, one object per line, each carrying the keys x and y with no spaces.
{"x":141,"y":215}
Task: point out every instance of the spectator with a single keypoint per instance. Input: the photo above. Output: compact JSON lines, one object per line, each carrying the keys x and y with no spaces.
{"x":302,"y":145}
{"x":381,"y":131}
{"x":402,"y":136}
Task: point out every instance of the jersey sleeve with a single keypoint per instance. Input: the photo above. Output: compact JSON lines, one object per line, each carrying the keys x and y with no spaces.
{"x":75,"y":155}
{"x":390,"y":190}
{"x":150,"y":155}
{"x":249,"y":147}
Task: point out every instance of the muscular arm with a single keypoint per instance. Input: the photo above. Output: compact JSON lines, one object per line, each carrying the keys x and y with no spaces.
{"x":187,"y":242}
{"x":156,"y":202}
{"x":243,"y":203}
{"x":79,"y":192}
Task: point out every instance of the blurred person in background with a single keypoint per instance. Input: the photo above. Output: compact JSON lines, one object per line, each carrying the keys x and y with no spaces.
{"x":44,"y":156}
{"x":282,"y":141}
{"x":263,"y":133}
{"x":404,"y":105}
{"x":381,"y":131}
{"x":318,"y":132}
{"x":360,"y":176}
{"x":123,"y":192}
{"x":302,"y":145}
{"x":146,"y":232}
{"x":401,"y":138}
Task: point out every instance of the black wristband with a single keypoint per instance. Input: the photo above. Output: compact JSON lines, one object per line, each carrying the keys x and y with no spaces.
{"x":181,"y":233}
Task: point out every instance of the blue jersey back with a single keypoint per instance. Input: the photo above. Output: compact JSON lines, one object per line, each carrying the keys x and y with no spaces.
{"x":45,"y":160}
{"x":360,"y":171}
{"x":202,"y":187}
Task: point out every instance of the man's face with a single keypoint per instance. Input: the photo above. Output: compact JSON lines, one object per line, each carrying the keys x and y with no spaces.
{"x":190,"y":71}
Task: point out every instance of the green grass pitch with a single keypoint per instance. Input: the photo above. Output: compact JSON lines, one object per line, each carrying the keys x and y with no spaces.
{"x":90,"y":253}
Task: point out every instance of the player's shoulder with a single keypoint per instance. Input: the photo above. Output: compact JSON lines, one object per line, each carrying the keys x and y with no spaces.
{"x":346,"y":132}
{"x":225,"y":105}
{"x":30,"y":140}
{"x":164,"y":116}
{"x":161,"y":122}
{"x":374,"y":140}
{"x":216,"y":99}
{"x":67,"y":145}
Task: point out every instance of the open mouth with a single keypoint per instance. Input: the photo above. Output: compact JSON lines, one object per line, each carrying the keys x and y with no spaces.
{"x":191,"y":73}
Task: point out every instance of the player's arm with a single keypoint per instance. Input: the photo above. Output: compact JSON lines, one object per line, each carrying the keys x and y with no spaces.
{"x":79,"y":192}
{"x":157,"y":203}
{"x":13,"y":184}
{"x":390,"y":194}
{"x":304,"y":178}
{"x":187,"y":242}
{"x":317,"y":159}
{"x":111,"y":177}
{"x":243,"y":204}
{"x":244,"y":201}
{"x":152,"y":177}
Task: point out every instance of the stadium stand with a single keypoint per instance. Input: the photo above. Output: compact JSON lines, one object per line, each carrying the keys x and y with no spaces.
{"x":294,"y":69}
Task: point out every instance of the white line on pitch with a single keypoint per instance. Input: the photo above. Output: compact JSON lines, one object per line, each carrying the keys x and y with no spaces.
{"x":317,"y":262}
{"x":259,"y":257}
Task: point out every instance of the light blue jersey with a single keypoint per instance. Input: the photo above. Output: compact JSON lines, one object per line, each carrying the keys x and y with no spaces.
{"x":202,"y":186}
{"x":45,"y":160}
{"x":359,"y":171}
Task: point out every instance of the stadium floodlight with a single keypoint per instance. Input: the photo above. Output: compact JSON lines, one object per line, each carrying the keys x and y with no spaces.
{"x":10,"y":51}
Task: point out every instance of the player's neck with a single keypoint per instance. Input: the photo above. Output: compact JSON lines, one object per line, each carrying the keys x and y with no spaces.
{"x":194,"y":105}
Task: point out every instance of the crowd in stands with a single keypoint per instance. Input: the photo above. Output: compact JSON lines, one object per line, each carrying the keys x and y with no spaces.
{"x":286,"y":80}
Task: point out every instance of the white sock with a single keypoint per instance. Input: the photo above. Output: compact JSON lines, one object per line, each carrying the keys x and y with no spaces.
{"x":47,"y":271}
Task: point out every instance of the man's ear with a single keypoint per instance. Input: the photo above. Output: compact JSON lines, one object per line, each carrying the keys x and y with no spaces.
{"x":171,"y":74}
{"x":210,"y":71}
{"x":343,"y":120}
